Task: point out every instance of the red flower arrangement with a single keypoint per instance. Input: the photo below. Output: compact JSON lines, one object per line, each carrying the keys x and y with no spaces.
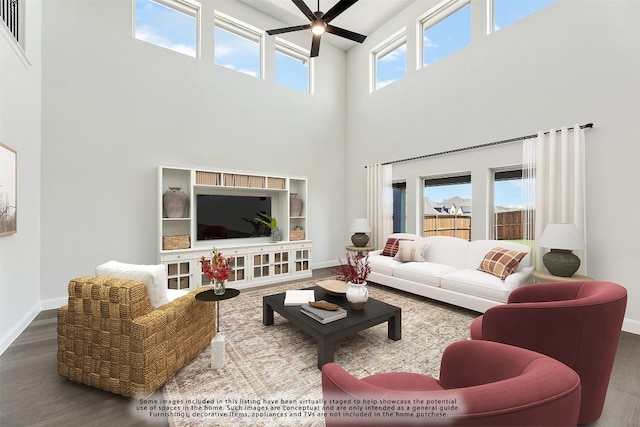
{"x":353,"y":268}
{"x":218,"y":267}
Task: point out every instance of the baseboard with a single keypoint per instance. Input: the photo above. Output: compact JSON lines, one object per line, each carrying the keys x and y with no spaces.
{"x":53,"y":303}
{"x":631,"y":326}
{"x":19,"y":327}
{"x":325,"y":264}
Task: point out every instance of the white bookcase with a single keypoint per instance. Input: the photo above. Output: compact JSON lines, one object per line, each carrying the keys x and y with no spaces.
{"x":257,"y":260}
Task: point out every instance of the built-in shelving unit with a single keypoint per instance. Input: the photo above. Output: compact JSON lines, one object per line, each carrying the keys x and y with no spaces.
{"x":257,"y":260}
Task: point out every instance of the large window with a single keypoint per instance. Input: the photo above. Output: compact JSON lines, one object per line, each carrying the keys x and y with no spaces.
{"x":389,"y":61}
{"x":445,"y":29}
{"x":513,"y":206}
{"x":292,"y":67}
{"x":172,"y":24}
{"x":505,"y":12}
{"x":447,"y":206}
{"x":237,"y":46}
{"x":399,"y":207}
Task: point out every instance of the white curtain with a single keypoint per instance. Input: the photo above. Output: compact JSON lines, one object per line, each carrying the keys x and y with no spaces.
{"x":558,"y":158}
{"x":379,"y":203}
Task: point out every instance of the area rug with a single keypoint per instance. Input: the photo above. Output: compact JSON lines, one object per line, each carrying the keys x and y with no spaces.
{"x":271,"y":376}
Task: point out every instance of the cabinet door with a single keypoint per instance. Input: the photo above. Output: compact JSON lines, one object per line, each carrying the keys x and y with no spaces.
{"x":301,"y":260}
{"x":239,"y":274}
{"x":261,"y":265}
{"x":179,"y":275}
{"x":280,"y":263}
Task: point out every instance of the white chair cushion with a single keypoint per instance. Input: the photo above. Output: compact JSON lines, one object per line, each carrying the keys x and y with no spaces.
{"x":154,"y":276}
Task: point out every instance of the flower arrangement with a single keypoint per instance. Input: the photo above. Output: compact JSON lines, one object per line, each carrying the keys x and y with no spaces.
{"x":218,"y":267}
{"x":354,"y":268}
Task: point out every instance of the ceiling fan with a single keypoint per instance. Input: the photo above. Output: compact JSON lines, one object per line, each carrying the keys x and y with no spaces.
{"x":320,"y":24}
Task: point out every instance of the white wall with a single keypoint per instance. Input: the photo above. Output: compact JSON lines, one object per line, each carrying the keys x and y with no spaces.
{"x":572,"y":62}
{"x":114,"y":108}
{"x":20,"y":75}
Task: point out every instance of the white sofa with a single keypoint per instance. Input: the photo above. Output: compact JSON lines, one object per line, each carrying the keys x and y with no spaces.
{"x":449,"y":272}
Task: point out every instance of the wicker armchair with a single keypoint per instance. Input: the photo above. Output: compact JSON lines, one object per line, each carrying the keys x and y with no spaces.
{"x":110,"y":338}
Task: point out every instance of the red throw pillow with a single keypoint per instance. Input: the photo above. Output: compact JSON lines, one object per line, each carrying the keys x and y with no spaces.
{"x":391,"y":247}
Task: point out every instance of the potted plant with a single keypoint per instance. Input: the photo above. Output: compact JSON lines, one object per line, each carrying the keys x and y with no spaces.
{"x":270,"y":222}
{"x":217,"y":268}
{"x":354,"y":270}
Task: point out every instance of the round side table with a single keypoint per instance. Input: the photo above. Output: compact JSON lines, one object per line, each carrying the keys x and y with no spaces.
{"x":359,"y":250}
{"x":218,"y":341}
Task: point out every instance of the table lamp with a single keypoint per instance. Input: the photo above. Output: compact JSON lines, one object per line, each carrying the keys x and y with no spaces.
{"x":359,"y":227}
{"x":561,"y":239}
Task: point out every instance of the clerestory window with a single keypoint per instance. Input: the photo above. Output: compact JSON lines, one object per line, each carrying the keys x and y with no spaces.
{"x":389,"y":61}
{"x":238,"y":45}
{"x":445,"y":29}
{"x":293,"y":67}
{"x":504,"y":12}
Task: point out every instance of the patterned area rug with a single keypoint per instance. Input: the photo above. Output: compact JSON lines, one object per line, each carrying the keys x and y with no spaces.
{"x":271,"y":377}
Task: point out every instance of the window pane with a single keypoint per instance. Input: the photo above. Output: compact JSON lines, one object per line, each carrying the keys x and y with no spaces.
{"x":447,"y":207}
{"x":234,"y":51}
{"x":513,"y":206}
{"x":391,"y":66}
{"x":166,"y":27}
{"x":399,"y":207}
{"x":447,"y":36}
{"x":292,"y":72}
{"x":507,"y":11}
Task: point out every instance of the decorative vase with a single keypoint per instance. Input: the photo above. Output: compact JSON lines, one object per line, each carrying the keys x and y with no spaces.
{"x":295,"y":205}
{"x":276,"y":235}
{"x":357,"y":295}
{"x":175,"y":202}
{"x":219,"y":287}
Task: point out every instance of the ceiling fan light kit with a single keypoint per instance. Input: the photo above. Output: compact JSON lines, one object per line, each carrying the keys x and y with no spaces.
{"x":319,"y":24}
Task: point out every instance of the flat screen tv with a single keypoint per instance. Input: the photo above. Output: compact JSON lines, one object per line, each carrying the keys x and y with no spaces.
{"x":230,"y":217}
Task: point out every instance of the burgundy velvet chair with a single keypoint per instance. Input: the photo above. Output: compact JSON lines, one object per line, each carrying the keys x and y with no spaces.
{"x":577,"y":323}
{"x":490,"y":384}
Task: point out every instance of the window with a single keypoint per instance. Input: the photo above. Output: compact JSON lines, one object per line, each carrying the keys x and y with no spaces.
{"x":445,"y":29}
{"x":399,"y":207}
{"x":447,"y":206}
{"x":292,"y":67}
{"x":513,"y":206}
{"x":237,"y":46}
{"x":504,"y":12}
{"x":389,"y":61}
{"x":172,"y":24}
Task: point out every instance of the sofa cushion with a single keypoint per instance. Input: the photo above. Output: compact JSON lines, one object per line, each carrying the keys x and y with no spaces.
{"x":154,"y":276}
{"x":427,"y":273}
{"x":409,"y":250}
{"x":477,"y":283}
{"x":447,"y":250}
{"x":501,"y":262}
{"x":383,"y":264}
{"x":391,"y":247}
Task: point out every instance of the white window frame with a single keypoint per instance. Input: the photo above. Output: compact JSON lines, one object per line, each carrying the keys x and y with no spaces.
{"x":432,"y":17}
{"x":245,"y":30}
{"x":187,"y":7}
{"x":387,"y":46}
{"x":299,"y":53}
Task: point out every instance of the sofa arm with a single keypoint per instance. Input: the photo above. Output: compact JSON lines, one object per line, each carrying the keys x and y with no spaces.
{"x":519,"y":278}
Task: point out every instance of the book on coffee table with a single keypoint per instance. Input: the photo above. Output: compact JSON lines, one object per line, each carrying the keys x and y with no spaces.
{"x":321,"y":315}
{"x":299,"y":297}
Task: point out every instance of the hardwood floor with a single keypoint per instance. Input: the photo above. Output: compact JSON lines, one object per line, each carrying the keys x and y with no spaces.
{"x":32,"y":393}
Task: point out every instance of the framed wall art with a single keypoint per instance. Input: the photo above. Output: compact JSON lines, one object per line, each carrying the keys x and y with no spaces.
{"x":8,"y":190}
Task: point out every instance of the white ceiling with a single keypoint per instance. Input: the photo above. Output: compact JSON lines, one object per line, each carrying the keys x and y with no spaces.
{"x":363,"y":17}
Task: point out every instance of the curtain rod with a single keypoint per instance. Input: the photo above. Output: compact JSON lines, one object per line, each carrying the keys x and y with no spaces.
{"x":473,"y":147}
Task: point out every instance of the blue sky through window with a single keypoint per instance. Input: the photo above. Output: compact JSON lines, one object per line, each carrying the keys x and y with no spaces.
{"x":508,"y":11}
{"x":292,"y":72}
{"x":447,"y":36}
{"x":391,"y":66}
{"x":236,"y":52}
{"x":166,"y":27}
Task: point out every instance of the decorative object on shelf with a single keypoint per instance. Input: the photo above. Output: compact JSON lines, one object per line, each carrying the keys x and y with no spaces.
{"x":175,"y":202}
{"x":295,"y":205}
{"x":170,"y":243}
{"x":217,"y":268}
{"x":354,"y":270}
{"x":561,"y":239}
{"x":297,"y":233}
{"x":272,"y":223}
{"x":359,"y":227}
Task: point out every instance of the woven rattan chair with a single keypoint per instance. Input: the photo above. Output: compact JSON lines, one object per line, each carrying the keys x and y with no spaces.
{"x":110,"y":338}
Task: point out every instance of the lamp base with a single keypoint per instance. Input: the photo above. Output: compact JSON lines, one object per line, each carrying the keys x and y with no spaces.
{"x":359,"y":239}
{"x":561,"y":262}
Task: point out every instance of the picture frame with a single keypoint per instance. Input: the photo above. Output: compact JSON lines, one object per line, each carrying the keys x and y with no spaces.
{"x":8,"y":190}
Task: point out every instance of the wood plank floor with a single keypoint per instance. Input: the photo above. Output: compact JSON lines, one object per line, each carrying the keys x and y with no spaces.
{"x":32,"y":393}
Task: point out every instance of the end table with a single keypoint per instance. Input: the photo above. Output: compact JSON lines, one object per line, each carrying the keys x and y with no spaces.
{"x":217,"y":343}
{"x":541,"y":276}
{"x":359,"y":250}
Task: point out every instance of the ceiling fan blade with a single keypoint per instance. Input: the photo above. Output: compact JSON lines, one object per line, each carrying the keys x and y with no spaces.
{"x":305,"y":9}
{"x":337,"y":9}
{"x":289,"y":29}
{"x":345,"y":33}
{"x":315,"y":46}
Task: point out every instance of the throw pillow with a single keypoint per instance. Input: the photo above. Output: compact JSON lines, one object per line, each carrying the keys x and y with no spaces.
{"x":408,"y":250}
{"x":501,"y":262}
{"x":391,"y":247}
{"x":153,"y":276}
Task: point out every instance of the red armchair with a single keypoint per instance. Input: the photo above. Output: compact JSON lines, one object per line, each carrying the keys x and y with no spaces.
{"x":577,"y":323}
{"x":481,"y":383}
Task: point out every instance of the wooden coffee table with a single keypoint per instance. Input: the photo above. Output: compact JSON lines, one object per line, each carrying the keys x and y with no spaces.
{"x":374,"y":313}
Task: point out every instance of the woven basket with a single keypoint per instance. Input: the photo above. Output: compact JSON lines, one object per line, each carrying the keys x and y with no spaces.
{"x":296,"y":234}
{"x":176,"y":242}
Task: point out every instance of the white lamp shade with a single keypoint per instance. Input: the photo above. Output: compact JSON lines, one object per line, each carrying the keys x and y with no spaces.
{"x":561,"y":236}
{"x":360,"y":225}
